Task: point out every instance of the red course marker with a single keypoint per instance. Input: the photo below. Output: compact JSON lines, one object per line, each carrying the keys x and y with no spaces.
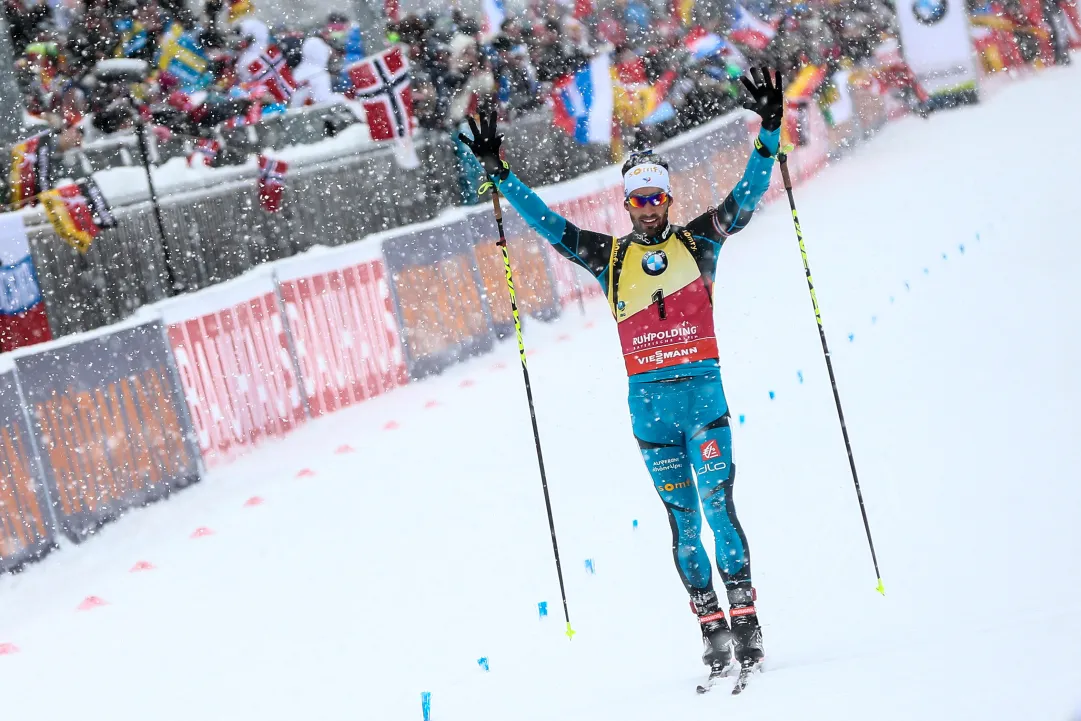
{"x":431,"y":404}
{"x":563,"y":337}
{"x":201,"y":532}
{"x":468,"y":383}
{"x":305,"y":473}
{"x":499,"y":366}
{"x":253,"y":501}
{"x":391,"y":426}
{"x":142,"y":566}
{"x":6,"y":649}
{"x":589,"y":324}
{"x":91,"y":602}
{"x":344,"y":449}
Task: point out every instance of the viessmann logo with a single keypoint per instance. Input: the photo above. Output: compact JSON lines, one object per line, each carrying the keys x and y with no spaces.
{"x":660,"y":357}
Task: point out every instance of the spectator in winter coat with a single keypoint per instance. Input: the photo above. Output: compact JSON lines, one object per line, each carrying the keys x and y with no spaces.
{"x":255,"y":39}
{"x":311,"y":75}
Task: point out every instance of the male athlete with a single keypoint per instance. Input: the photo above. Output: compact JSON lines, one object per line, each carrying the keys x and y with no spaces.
{"x":659,"y":283}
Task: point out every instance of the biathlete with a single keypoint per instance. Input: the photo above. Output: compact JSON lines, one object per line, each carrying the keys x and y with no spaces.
{"x":659,"y":283}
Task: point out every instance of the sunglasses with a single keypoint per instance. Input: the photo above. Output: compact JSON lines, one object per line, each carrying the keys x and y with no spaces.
{"x":641,"y":201}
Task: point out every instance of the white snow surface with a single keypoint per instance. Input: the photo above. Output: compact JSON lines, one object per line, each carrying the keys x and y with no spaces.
{"x":401,"y":562}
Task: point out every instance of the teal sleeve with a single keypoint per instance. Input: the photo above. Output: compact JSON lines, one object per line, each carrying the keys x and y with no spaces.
{"x":532,"y":209}
{"x":755,"y":181}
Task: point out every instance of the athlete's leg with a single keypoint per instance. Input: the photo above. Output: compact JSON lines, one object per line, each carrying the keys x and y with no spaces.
{"x":662,"y":447}
{"x":709,"y":447}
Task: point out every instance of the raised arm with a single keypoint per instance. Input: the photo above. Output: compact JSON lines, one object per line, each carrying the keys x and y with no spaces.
{"x":586,"y":248}
{"x":735,"y":212}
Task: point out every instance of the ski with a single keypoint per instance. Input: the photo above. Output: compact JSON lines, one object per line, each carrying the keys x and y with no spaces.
{"x":714,"y":675}
{"x":743,"y":678}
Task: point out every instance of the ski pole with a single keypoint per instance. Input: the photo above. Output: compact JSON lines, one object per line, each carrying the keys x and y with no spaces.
{"x":782,"y":158}
{"x":502,"y":243}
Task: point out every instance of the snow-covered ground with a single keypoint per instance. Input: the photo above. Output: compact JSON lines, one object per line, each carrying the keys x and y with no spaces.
{"x":945,"y":256}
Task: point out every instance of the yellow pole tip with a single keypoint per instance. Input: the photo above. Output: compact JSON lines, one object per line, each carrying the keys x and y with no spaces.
{"x":570,"y":632}
{"x":881,"y":588}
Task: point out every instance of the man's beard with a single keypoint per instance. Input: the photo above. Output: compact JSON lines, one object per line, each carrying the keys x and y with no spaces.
{"x":652,"y":231}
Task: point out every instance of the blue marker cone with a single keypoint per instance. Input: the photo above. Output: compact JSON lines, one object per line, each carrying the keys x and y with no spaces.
{"x":742,"y":419}
{"x":426,"y":705}
{"x":589,"y":566}
{"x":542,"y":609}
{"x":772,"y":395}
{"x":799,"y":374}
{"x":483,"y":662}
{"x":634,"y":524}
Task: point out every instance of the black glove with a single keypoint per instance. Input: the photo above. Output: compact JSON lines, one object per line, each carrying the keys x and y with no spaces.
{"x":485,"y":145}
{"x":767,"y":98}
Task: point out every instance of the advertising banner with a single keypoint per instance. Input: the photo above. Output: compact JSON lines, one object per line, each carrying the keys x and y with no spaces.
{"x":937,"y":46}
{"x":345,"y":336}
{"x":235,"y":368}
{"x":442,"y":306}
{"x":26,"y":528}
{"x":110,"y":423}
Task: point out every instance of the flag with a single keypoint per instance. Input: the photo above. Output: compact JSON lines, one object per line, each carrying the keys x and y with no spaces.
{"x":250,"y":117}
{"x":381,"y":83}
{"x":837,"y":104}
{"x":583,"y":103}
{"x":683,"y":11}
{"x":182,"y":57}
{"x":806,"y":82}
{"x":31,"y":167}
{"x":392,"y":10}
{"x":238,"y":9}
{"x":205,"y":153}
{"x":133,"y":37}
{"x":634,"y":98}
{"x":78,"y":213}
{"x":494,"y":14}
{"x":271,"y":183}
{"x":751,"y":31}
{"x":270,"y":76}
{"x":702,"y":44}
{"x":23,"y":320}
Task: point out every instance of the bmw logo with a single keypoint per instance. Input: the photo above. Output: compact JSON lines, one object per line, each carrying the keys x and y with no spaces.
{"x":655,"y":262}
{"x":929,"y":12}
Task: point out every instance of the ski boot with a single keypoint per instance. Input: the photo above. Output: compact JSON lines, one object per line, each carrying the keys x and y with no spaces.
{"x":746,"y":633}
{"x":716,"y":636}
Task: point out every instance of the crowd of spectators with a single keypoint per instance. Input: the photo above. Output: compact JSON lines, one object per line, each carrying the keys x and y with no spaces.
{"x":201,"y":61}
{"x":457,"y":65}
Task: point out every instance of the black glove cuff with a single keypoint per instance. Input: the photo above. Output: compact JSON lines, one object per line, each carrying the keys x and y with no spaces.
{"x":496,"y":168}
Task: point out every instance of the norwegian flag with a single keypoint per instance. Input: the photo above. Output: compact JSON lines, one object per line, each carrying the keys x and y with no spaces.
{"x":271,"y":183}
{"x":269,"y":75}
{"x":250,"y":117}
{"x":205,"y":153}
{"x":381,"y":83}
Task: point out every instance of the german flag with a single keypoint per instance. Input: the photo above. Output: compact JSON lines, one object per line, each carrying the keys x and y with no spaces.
{"x":31,"y":168}
{"x":78,"y":213}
